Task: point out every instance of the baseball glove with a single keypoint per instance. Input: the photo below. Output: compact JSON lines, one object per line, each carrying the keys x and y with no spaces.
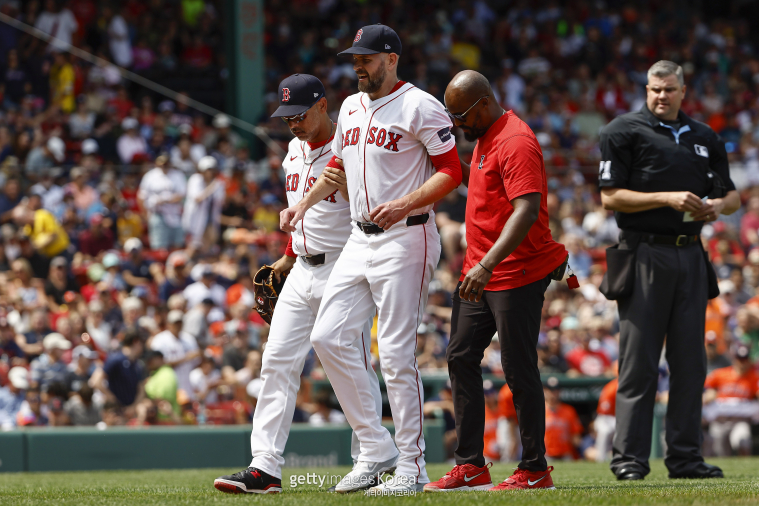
{"x":267,"y":290}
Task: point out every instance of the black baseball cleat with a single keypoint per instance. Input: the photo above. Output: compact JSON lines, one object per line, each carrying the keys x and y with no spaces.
{"x":249,"y":481}
{"x":629,"y":474}
{"x":703,"y":470}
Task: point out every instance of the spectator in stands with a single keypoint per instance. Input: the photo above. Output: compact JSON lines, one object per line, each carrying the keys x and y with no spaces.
{"x":508,"y":428}
{"x":714,"y":359}
{"x":131,"y":144}
{"x":730,"y":403}
{"x":135,"y":270}
{"x":120,"y":379}
{"x":97,"y":238}
{"x":98,"y":329}
{"x":324,"y":413}
{"x":31,"y":341}
{"x":45,"y":233}
{"x":82,"y":122}
{"x":605,"y":421}
{"x":588,"y":359}
{"x":59,"y":23}
{"x":196,"y":322}
{"x":30,"y":413}
{"x":176,"y":277}
{"x":23,"y":287}
{"x":161,"y":192}
{"x":563,"y":427}
{"x":205,"y":288}
{"x":81,"y":409}
{"x":84,"y":194}
{"x":491,"y":448}
{"x":234,"y":357}
{"x":202,"y":208}
{"x":550,"y":356}
{"x":10,"y":197}
{"x":8,"y":346}
{"x":45,"y":156}
{"x":12,"y":397}
{"x":179,"y":349}
{"x":49,"y":367}
{"x":161,"y":385}
{"x":81,"y":368}
{"x":204,"y":380}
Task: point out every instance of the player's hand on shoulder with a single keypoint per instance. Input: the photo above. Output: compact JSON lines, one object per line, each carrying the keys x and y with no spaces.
{"x":283,"y":266}
{"x":388,"y":214}
{"x":289,"y":217}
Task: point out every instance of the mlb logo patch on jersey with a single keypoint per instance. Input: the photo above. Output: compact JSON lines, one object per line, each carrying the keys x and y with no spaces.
{"x":604,"y":171}
{"x":444,"y":134}
{"x":701,"y":150}
{"x":482,"y":160}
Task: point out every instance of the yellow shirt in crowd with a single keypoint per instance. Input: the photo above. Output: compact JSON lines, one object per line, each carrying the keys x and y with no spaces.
{"x":44,"y":226}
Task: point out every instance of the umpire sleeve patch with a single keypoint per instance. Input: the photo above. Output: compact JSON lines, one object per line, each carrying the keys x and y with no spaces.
{"x":444,"y":134}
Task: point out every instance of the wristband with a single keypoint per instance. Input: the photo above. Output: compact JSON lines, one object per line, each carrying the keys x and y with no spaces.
{"x":491,"y":272}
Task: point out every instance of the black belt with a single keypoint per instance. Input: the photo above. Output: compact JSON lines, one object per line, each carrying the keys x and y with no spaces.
{"x":666,"y":240}
{"x":372,"y":229}
{"x":313,"y":260}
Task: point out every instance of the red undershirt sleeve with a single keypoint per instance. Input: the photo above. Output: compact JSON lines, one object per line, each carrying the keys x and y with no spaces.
{"x":289,"y":249}
{"x":333,"y":163}
{"x":448,"y":163}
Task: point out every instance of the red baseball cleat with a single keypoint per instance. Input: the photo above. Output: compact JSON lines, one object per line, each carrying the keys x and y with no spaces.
{"x":464,"y":477}
{"x":523,"y":479}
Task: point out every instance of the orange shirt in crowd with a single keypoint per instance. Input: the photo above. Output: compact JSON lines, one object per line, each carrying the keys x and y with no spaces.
{"x":717,"y":310}
{"x":729,"y":385}
{"x":491,"y":450}
{"x":561,"y":424}
{"x":607,"y":401}
{"x":506,"y":404}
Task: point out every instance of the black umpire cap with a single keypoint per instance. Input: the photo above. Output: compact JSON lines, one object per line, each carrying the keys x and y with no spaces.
{"x":297,"y":94}
{"x":375,"y":39}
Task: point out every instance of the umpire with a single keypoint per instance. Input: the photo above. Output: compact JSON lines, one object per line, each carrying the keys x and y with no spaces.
{"x":664,"y":174}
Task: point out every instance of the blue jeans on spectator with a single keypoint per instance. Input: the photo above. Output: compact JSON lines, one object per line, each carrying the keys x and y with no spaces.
{"x":162,"y":235}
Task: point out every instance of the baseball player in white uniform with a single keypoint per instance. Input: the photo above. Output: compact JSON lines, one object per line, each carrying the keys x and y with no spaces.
{"x":391,"y":139}
{"x":310,"y":257}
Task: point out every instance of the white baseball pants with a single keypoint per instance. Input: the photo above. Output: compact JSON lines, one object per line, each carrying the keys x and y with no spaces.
{"x":283,"y":360}
{"x":390,"y":271}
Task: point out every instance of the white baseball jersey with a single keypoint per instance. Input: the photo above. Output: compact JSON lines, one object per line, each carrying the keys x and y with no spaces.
{"x":386,"y":144}
{"x":326,"y":226}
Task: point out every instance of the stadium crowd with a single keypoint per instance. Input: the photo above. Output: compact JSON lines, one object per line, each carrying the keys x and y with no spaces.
{"x":137,"y":221}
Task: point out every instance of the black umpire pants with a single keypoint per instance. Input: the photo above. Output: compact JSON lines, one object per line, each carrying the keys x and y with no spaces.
{"x":515,"y":314}
{"x":669,"y":299}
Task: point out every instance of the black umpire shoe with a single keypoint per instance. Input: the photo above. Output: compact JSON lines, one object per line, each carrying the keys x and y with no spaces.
{"x":703,"y":470}
{"x":630,"y":474}
{"x":249,"y":481}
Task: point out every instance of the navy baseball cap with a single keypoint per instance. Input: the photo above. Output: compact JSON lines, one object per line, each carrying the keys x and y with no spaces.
{"x":297,"y":94}
{"x":375,"y":39}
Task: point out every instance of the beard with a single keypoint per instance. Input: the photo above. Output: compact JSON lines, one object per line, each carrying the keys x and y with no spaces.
{"x":472,"y":134}
{"x":373,"y":83}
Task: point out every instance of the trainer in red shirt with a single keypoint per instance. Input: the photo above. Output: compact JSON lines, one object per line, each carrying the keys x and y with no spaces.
{"x":510,"y":261}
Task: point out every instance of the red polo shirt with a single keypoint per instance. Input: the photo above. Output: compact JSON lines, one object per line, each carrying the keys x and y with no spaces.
{"x":507,"y":162}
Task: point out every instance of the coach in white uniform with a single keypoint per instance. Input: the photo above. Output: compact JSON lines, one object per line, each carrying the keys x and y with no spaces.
{"x":310,"y":257}
{"x":391,"y":138}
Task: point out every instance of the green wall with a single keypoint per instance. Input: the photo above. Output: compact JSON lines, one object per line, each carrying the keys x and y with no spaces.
{"x":84,"y":449}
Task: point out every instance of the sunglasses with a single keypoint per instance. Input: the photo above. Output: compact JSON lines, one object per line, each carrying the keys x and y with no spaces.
{"x":460,"y":117}
{"x":295,"y":119}
{"x":300,"y":117}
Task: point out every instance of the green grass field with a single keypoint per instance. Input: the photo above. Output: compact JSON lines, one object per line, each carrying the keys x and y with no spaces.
{"x":582,"y":483}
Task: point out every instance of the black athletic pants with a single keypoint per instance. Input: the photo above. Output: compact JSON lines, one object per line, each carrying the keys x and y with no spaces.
{"x":515,"y":315}
{"x":669,"y":299}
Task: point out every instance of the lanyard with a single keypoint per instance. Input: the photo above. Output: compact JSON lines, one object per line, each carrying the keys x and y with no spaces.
{"x":676,"y":133}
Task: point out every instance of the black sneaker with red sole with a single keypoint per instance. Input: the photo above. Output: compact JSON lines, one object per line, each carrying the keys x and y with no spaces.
{"x":249,"y":481}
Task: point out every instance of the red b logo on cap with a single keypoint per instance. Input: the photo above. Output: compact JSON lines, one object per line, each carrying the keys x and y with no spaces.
{"x":285,"y":94}
{"x":358,"y":35}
